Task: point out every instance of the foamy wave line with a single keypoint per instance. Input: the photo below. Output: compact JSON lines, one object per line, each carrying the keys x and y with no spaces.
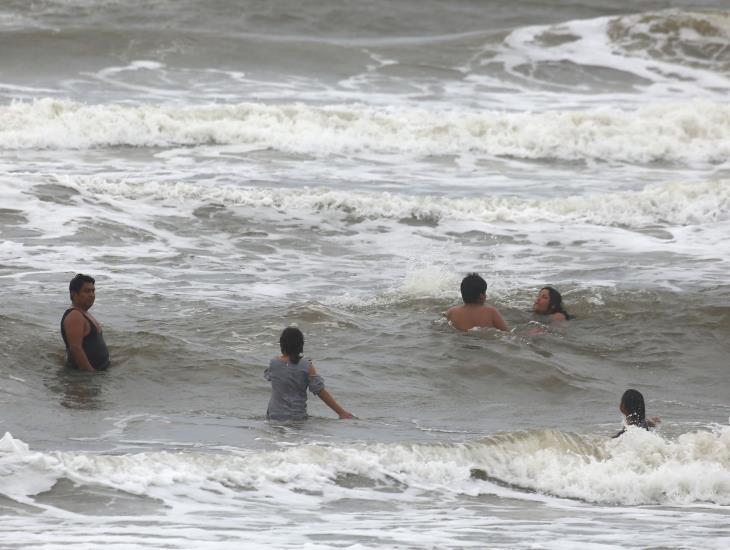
{"x":638,"y":468}
{"x":696,"y":131}
{"x":672,"y":203}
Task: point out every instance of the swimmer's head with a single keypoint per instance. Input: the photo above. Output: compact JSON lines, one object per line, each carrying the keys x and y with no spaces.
{"x":291,"y":342}
{"x":632,"y":407}
{"x":548,"y":301}
{"x":472,"y":288}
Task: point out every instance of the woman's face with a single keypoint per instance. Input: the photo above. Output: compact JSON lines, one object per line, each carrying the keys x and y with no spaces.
{"x":542,"y":302}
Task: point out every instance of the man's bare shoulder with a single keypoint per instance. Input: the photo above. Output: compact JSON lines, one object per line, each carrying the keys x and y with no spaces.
{"x":74,"y":316}
{"x":454,"y":310}
{"x":491,"y":310}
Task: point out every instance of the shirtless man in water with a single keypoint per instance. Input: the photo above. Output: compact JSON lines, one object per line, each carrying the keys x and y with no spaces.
{"x":81,"y":332}
{"x":474,"y":312}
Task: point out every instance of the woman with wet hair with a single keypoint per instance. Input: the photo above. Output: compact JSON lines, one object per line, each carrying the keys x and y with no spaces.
{"x":634,"y":411}
{"x":291,"y":376}
{"x":549,"y":302}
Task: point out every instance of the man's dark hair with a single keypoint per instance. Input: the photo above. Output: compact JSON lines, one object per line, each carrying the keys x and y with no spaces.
{"x":291,"y":342}
{"x":78,"y":281}
{"x":472,"y":286}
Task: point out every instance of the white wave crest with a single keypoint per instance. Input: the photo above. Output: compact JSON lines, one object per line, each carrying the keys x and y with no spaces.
{"x":674,"y":204}
{"x":693,"y":132}
{"x":638,"y":468}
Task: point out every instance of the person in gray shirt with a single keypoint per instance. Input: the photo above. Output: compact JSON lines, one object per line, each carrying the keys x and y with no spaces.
{"x":290,"y":376}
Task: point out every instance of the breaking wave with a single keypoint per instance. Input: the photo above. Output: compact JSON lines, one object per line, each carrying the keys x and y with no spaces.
{"x":670,"y":204}
{"x":691,"y":132}
{"x":638,"y":468}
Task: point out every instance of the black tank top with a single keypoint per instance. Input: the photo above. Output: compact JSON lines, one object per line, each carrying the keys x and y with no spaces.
{"x":93,"y":345}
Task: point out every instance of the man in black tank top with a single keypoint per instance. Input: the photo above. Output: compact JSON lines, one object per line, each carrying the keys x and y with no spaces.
{"x":82,"y":334}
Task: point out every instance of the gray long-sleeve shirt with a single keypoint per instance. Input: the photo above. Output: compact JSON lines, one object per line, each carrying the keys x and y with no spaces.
{"x":289,"y":384}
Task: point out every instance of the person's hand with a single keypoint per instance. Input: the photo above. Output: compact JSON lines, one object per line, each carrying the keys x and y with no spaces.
{"x":311,"y":371}
{"x":344,"y":415}
{"x":655,"y":420}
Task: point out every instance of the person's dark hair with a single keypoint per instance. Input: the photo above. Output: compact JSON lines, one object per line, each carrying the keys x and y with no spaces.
{"x":472,"y":286}
{"x":556,"y":302}
{"x":632,"y":405}
{"x":291,"y":342}
{"x":78,"y":281}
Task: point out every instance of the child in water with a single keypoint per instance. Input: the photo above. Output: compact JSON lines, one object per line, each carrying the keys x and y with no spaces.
{"x":475,"y":312}
{"x":632,"y":407}
{"x":290,"y":376}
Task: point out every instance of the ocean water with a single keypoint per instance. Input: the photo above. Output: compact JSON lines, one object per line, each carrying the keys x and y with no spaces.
{"x":225,"y":169}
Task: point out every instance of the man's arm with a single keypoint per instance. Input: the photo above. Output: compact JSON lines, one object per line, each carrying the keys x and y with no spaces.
{"x":74,"y":326}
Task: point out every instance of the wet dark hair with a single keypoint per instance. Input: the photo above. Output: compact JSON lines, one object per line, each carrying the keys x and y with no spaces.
{"x":78,"y":281}
{"x":556,"y":302}
{"x":632,"y":404}
{"x":471,"y":287}
{"x":291,"y":342}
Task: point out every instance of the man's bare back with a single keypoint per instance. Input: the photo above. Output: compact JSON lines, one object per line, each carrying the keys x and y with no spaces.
{"x":469,"y":316}
{"x":474,"y":312}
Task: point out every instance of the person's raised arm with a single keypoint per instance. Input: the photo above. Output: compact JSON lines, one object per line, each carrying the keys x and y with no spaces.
{"x":74,"y":326}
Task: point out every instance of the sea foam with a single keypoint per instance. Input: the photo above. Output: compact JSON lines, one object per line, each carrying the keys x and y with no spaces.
{"x":638,"y":468}
{"x":676,"y":204}
{"x":691,"y":132}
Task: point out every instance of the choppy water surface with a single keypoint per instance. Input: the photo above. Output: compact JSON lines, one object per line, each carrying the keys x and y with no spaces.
{"x":227,"y":169}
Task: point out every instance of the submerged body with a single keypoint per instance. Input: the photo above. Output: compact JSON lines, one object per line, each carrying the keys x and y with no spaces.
{"x":634,"y":411}
{"x":92,"y":343}
{"x":548,"y":306}
{"x":291,"y":377}
{"x":81,"y":332}
{"x":475,"y":312}
{"x":289,"y":385}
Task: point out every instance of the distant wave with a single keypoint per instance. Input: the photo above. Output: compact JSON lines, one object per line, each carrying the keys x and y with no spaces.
{"x":693,"y":132}
{"x":669,"y":204}
{"x":638,"y":468}
{"x":670,"y":46}
{"x":690,"y":38}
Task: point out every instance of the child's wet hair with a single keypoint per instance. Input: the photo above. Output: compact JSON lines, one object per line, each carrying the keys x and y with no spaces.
{"x":291,"y":342}
{"x":632,"y":405}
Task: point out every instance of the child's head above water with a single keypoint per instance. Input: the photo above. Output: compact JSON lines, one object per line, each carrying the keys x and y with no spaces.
{"x":632,"y":407}
{"x":291,"y":342}
{"x":473,"y":286}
